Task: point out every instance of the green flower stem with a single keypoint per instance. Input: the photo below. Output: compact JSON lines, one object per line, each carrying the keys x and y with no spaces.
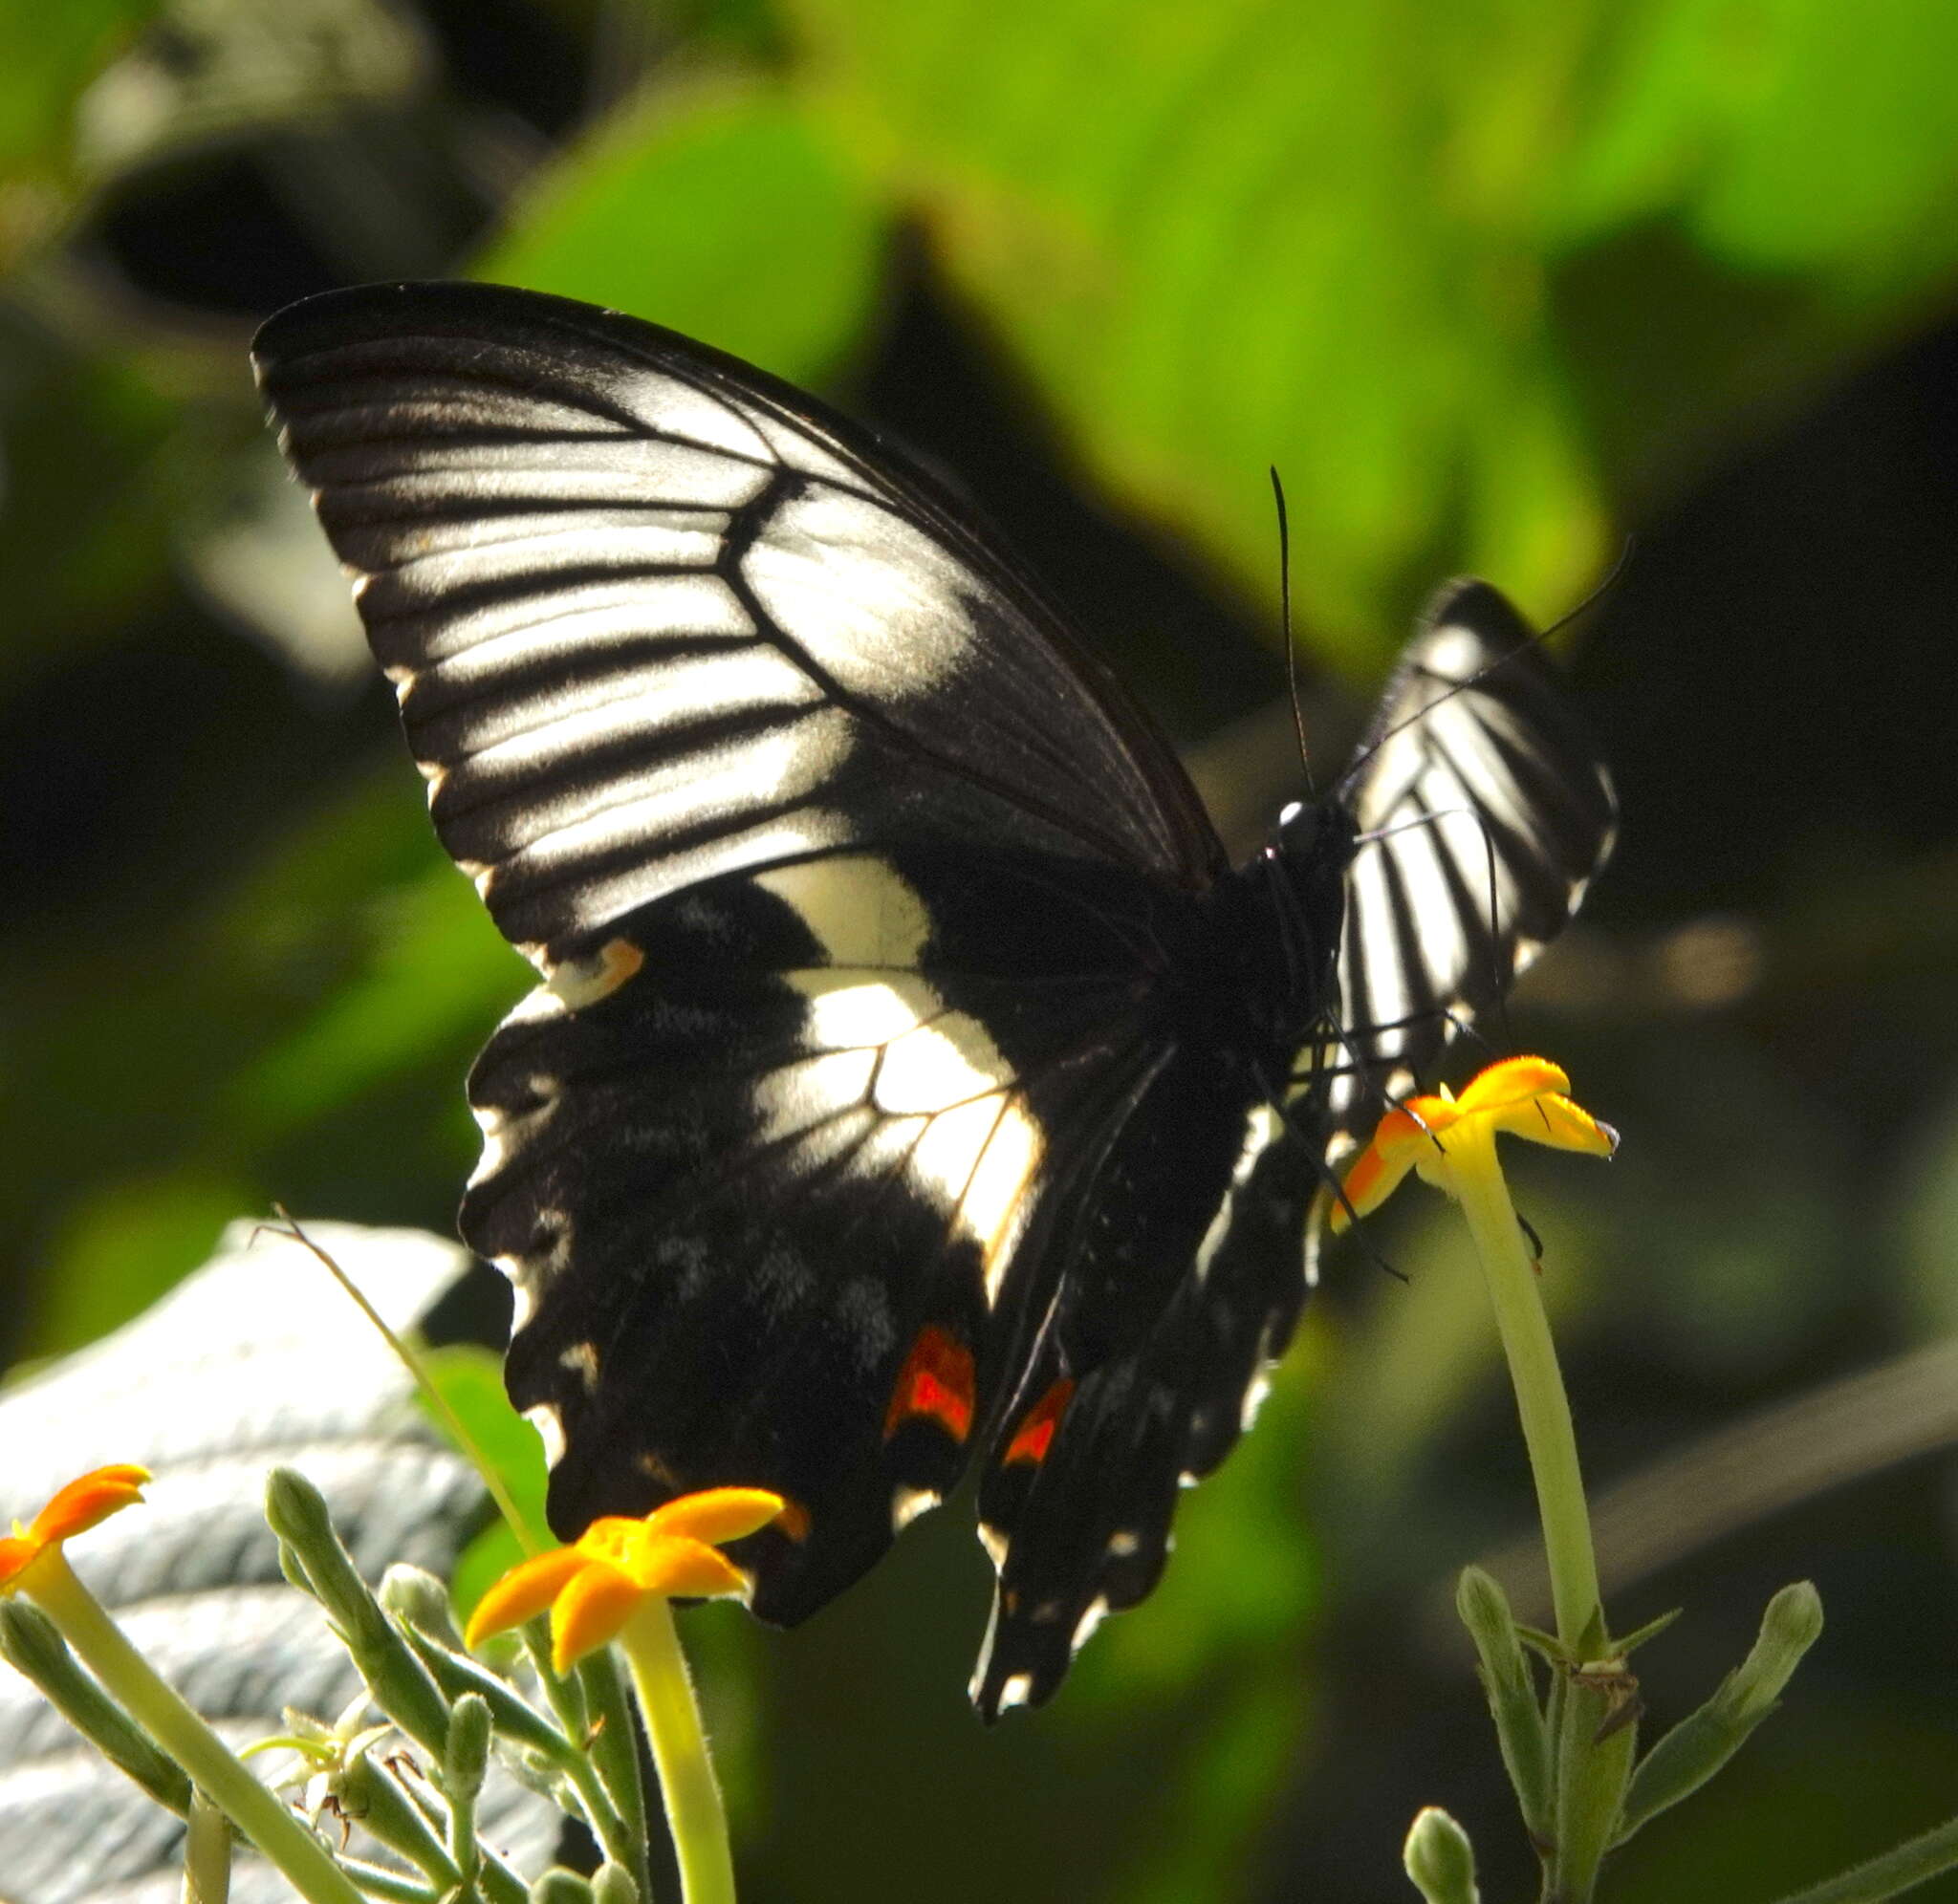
{"x":613,"y":1751}
{"x":680,"y":1751}
{"x":206,"y":1853}
{"x":387,"y":1814}
{"x":130,"y":1679}
{"x":1910,"y":1863}
{"x":1595,"y":1747}
{"x":1477,"y":1181}
{"x":29,"y":1644}
{"x":622,"y":1839}
{"x":391,"y":1886}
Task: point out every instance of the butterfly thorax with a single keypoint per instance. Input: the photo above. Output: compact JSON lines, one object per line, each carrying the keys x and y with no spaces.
{"x":1286,"y":906}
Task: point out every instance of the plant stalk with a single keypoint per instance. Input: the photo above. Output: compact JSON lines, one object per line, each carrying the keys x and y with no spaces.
{"x":162,"y":1713}
{"x":692,"y":1796}
{"x":1541,"y":1402}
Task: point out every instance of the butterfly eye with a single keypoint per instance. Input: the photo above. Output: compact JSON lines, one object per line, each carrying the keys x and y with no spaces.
{"x":1300,"y":829}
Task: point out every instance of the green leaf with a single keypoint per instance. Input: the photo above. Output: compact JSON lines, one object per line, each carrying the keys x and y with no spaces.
{"x":719,"y":212}
{"x":1708,"y":110}
{"x":1429,"y":263}
{"x":88,"y":484}
{"x":1700,"y":1744}
{"x":47,"y":55}
{"x":470,"y":1380}
{"x":1223,"y":1645}
{"x":1246,"y":1583}
{"x":124,"y":1244}
{"x":432,"y":971}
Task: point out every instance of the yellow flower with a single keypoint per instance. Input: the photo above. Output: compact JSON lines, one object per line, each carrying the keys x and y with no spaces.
{"x":1524,"y":1096}
{"x":76,"y":1508}
{"x":32,"y":1562}
{"x":594,"y":1585}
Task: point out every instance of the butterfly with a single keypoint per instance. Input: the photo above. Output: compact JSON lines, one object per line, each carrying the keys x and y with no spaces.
{"x":913,"y":1081}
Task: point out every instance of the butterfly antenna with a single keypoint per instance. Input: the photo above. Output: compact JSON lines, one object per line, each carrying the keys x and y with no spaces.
{"x":1597,"y":595}
{"x":1285,"y":622}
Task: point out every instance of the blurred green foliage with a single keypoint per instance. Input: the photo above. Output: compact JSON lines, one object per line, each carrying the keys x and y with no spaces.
{"x":1493,"y":286}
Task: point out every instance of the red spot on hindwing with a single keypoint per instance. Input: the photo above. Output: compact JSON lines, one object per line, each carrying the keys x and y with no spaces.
{"x":935,"y":1384}
{"x":1035,"y":1435}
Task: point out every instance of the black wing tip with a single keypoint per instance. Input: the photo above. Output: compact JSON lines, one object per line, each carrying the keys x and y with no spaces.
{"x":366,"y":313}
{"x":469,"y":307}
{"x":1014,"y":1675}
{"x":330,"y":315}
{"x":1468,"y":601}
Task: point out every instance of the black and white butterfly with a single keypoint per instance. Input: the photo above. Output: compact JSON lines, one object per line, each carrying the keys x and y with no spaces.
{"x":913,"y":1079}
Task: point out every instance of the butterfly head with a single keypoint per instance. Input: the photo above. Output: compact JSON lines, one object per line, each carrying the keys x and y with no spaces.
{"x":1312,"y":846}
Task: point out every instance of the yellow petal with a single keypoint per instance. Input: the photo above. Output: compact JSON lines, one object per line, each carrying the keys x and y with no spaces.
{"x":716,"y":1514}
{"x":87,"y":1500}
{"x":590,"y":1611}
{"x":677,"y":1568}
{"x":1509,"y":1081}
{"x":16,"y":1553}
{"x":1524,"y":1096}
{"x":1395,"y":1148}
{"x":523,"y":1593}
{"x":1548,"y":1118}
{"x":1374,"y":1176}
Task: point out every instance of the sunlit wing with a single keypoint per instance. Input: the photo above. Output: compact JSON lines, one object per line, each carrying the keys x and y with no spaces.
{"x":653,"y":616}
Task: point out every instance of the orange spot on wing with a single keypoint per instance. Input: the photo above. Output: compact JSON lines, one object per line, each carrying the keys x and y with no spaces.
{"x":793,"y":1520}
{"x":935,"y":1383}
{"x":1035,"y":1435}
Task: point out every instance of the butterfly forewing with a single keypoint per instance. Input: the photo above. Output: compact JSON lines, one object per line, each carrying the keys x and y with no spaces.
{"x":652,"y":618}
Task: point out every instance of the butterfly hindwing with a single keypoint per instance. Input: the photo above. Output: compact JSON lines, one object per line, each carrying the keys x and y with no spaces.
{"x":1134,"y":1395}
{"x":1484,"y":812}
{"x":766,"y":1196}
